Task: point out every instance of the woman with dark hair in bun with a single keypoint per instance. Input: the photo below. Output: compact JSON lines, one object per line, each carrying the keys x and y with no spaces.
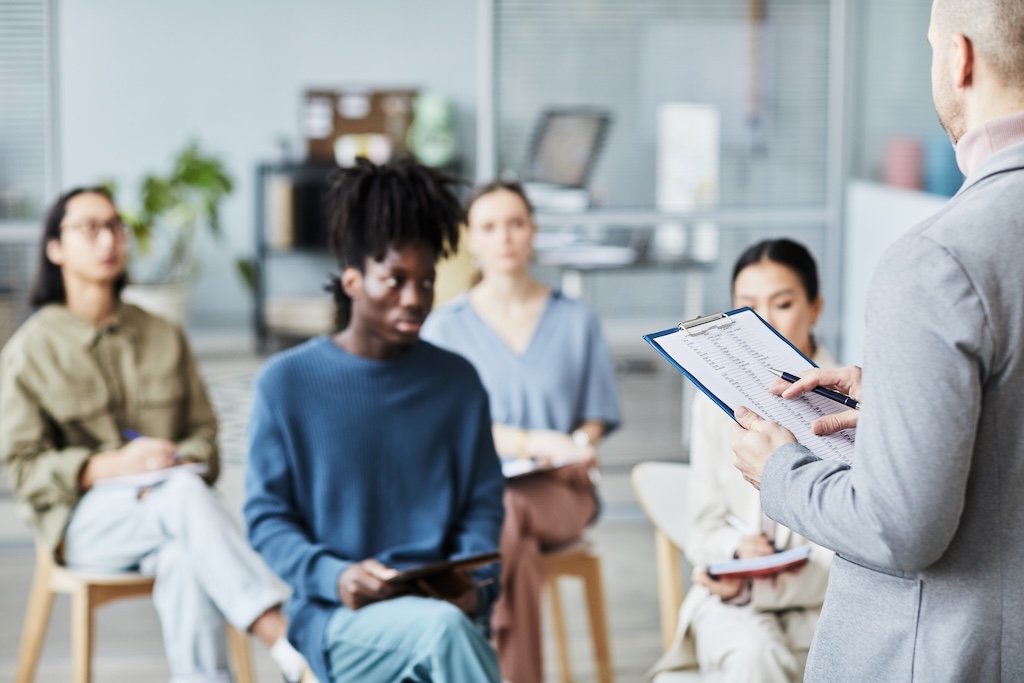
{"x":760,"y":629}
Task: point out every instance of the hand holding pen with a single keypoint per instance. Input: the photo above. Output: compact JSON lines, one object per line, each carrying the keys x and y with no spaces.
{"x":140,"y":454}
{"x":149,"y":453}
{"x":754,"y":544}
{"x":839,"y":384}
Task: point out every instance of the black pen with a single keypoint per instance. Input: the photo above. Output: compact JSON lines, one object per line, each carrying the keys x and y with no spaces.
{"x":848,"y":401}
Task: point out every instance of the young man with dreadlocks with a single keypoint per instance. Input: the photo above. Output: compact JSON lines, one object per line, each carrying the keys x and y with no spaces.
{"x":371,"y":449}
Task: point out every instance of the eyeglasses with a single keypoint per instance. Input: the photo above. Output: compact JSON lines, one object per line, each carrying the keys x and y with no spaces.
{"x":90,"y":230}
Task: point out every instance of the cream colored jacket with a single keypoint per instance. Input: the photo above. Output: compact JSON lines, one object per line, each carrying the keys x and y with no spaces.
{"x":716,"y":490}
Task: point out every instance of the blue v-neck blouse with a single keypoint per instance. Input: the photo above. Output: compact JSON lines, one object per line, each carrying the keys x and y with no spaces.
{"x":563,"y":378}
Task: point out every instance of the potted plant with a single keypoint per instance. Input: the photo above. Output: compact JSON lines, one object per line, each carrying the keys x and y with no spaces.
{"x":174,"y":210}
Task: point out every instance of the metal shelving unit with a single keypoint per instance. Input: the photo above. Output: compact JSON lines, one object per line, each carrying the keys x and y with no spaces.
{"x":307,"y":226}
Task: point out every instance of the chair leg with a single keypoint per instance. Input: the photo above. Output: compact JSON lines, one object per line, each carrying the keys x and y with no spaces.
{"x":241,"y":657}
{"x":81,"y":636}
{"x":558,"y":625}
{"x":594,"y":586}
{"x":670,"y":587}
{"x":37,"y":616}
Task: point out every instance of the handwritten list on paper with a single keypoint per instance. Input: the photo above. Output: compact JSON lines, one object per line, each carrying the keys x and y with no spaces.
{"x":731,"y":357}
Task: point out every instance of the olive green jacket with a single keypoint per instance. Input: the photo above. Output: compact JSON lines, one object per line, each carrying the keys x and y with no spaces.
{"x":69,"y":389}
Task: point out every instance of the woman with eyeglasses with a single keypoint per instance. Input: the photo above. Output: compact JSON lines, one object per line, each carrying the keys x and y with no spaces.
{"x":110,"y":442}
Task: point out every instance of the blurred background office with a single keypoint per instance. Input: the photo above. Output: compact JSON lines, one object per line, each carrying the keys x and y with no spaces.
{"x":658,"y":139}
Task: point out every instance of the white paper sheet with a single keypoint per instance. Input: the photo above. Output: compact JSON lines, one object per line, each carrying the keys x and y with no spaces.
{"x":150,"y":478}
{"x":730,"y":358}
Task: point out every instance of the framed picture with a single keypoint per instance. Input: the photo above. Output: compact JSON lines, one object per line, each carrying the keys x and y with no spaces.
{"x":565,"y":146}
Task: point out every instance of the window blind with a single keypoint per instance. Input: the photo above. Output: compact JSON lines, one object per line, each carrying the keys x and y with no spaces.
{"x":24,"y":119}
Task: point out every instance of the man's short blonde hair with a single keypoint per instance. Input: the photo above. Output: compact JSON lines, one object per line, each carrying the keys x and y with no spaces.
{"x":995,"y":29}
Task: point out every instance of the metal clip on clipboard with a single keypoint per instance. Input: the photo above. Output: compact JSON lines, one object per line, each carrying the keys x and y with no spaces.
{"x":705,"y":323}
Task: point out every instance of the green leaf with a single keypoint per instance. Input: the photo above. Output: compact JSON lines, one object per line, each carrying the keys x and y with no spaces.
{"x":176,"y":206}
{"x":110,"y":186}
{"x":248,"y":271}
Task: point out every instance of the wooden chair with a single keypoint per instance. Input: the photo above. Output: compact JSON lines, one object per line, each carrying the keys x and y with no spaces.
{"x":661,"y":489}
{"x":89,"y":591}
{"x":578,"y":560}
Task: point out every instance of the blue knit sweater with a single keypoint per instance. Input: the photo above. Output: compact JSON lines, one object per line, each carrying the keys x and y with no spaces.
{"x":351,"y":458}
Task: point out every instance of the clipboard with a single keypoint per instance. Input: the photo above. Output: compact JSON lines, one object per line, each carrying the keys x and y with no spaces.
{"x":727,"y":356}
{"x":468,"y":562}
{"x":760,"y":567}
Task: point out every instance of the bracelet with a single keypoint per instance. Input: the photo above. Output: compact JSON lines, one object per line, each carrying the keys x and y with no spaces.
{"x":521,"y":451}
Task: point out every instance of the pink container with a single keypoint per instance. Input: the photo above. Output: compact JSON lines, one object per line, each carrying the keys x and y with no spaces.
{"x":903,"y":163}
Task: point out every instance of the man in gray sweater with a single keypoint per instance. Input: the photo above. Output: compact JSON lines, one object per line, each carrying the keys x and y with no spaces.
{"x":928,"y":522}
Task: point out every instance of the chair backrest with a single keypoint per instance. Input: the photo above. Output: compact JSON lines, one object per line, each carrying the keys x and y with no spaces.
{"x":661,"y":488}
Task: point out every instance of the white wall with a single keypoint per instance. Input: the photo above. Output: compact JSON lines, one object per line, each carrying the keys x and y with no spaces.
{"x":138,"y":79}
{"x":877,"y":215}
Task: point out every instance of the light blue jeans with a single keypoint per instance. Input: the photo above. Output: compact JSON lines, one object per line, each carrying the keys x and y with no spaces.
{"x":182,"y":533}
{"x":408,"y":639}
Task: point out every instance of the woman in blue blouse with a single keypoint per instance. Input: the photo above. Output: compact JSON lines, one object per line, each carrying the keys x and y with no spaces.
{"x":551,"y":384}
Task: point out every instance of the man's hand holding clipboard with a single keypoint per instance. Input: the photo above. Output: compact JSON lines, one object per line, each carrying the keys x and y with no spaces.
{"x":755,"y":439}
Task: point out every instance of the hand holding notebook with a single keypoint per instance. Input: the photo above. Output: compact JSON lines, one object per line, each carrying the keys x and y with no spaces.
{"x":467,"y":563}
{"x":514,"y":468}
{"x":446,"y":579}
{"x":761,"y":567}
{"x":369,"y":581}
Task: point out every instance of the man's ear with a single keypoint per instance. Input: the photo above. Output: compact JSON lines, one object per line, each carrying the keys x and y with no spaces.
{"x":55,"y":252}
{"x":961,"y":62}
{"x":352,"y":282}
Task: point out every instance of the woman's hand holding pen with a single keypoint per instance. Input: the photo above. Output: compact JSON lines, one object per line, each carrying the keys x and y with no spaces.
{"x":844,"y":380}
{"x":751,"y":547}
{"x":145,"y":454}
{"x":138,"y":455}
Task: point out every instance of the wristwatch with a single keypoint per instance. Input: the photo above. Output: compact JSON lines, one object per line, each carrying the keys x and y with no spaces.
{"x":581,"y":438}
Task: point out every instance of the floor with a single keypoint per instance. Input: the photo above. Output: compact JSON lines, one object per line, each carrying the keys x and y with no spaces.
{"x":127,"y":643}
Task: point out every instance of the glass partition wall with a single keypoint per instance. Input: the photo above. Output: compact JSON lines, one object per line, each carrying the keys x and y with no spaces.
{"x":773,"y":72}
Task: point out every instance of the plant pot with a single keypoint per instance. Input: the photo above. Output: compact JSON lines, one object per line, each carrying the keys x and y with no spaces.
{"x":166,"y":301}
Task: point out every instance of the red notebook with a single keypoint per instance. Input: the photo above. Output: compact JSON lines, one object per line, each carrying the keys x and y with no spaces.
{"x":759,"y":567}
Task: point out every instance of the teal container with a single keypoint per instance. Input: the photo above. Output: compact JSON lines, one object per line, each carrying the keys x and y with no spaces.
{"x":941,"y":174}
